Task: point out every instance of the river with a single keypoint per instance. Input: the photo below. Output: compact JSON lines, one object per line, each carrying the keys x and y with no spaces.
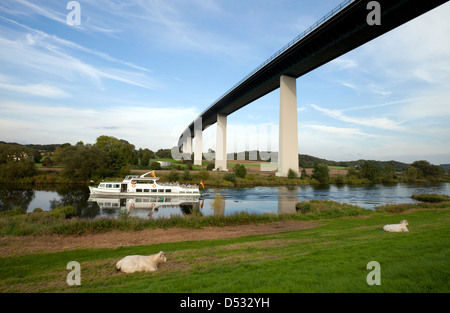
{"x":252,"y":200}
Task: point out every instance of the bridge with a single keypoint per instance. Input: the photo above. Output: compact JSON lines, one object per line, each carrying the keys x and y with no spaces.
{"x":348,"y":26}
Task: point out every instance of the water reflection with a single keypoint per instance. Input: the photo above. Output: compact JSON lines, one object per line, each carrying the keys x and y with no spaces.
{"x":147,"y":207}
{"x":253,"y":200}
{"x":11,"y":197}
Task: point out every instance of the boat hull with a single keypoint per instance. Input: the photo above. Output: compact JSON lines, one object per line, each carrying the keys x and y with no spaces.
{"x":99,"y":192}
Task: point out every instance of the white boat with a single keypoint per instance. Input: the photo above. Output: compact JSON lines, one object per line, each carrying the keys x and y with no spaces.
{"x":143,"y":185}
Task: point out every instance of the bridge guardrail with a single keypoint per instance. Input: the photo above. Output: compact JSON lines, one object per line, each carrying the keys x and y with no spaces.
{"x":329,"y":15}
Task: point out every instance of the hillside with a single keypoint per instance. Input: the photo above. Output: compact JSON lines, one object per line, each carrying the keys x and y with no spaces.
{"x":305,"y":161}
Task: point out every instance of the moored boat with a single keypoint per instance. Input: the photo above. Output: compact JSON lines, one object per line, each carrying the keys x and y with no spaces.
{"x":144,"y":185}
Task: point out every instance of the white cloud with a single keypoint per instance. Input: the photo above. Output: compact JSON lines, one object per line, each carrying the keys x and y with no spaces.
{"x":41,"y":90}
{"x":50,"y":61}
{"x":341,"y":132}
{"x":142,"y":126}
{"x":376,"y":122}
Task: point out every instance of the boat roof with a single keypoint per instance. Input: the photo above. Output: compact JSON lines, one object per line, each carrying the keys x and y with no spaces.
{"x":143,"y":176}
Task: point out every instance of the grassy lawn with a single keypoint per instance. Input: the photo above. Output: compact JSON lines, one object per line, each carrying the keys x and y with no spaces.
{"x":329,"y":258}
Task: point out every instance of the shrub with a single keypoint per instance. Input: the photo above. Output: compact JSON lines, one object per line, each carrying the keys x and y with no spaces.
{"x":63,"y":212}
{"x":173,"y":176}
{"x":321,"y":173}
{"x":329,"y":209}
{"x":210,"y":167}
{"x":303,"y":207}
{"x":155,"y":165}
{"x":186,"y":175}
{"x":203,"y":174}
{"x":430,"y":198}
{"x":231,"y":177}
{"x":240,"y":170}
{"x":292,"y":174}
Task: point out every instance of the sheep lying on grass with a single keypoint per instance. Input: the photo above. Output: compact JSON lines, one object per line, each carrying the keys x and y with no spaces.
{"x":141,"y":263}
{"x":396,"y":228}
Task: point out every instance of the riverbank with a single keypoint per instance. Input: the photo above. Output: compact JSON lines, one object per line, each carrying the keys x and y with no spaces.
{"x":212,"y":179}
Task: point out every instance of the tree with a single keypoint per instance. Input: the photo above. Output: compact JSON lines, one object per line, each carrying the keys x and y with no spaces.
{"x":428,"y":170}
{"x":120,"y":152}
{"x":371,"y":171}
{"x":388,"y":173}
{"x":16,"y":161}
{"x":412,"y":173}
{"x":303,"y":175}
{"x":83,"y":162}
{"x":146,"y":155}
{"x":321,"y":173}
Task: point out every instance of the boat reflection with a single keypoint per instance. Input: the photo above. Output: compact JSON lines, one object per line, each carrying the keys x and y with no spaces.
{"x":147,"y":206}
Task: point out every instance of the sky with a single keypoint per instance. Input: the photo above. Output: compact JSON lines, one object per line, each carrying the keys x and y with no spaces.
{"x":142,"y":71}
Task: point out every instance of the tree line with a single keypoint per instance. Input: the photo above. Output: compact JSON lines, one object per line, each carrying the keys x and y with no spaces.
{"x":112,"y":157}
{"x":375,"y":173}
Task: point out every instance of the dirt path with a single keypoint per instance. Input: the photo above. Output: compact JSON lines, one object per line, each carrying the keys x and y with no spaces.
{"x":15,"y":246}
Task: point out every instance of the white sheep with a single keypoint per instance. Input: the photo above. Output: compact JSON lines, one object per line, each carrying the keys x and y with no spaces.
{"x":139,"y":263}
{"x":396,"y":228}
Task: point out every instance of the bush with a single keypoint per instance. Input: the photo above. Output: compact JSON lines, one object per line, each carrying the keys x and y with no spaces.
{"x":210,"y":167}
{"x":203,"y":174}
{"x":173,"y":176}
{"x":430,"y":198}
{"x":321,"y":173}
{"x":240,"y":170}
{"x":63,"y":212}
{"x":329,"y":209}
{"x":230,"y":177}
{"x":292,"y":174}
{"x":303,"y":207}
{"x":155,"y":165}
{"x":186,"y":175}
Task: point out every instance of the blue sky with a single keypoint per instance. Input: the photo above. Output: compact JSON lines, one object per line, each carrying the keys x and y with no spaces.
{"x":143,"y":70}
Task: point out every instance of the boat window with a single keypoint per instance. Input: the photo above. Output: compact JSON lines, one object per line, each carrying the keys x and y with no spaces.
{"x":117,"y":186}
{"x":102,"y":185}
{"x":160,"y":190}
{"x":168,"y":190}
{"x":138,"y":190}
{"x":153,"y":190}
{"x":146,"y":190}
{"x":109,"y":186}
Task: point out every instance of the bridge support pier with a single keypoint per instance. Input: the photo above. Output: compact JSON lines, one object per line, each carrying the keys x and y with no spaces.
{"x":187,"y":145}
{"x":221,"y":143}
{"x":198,"y":147}
{"x":288,"y":132}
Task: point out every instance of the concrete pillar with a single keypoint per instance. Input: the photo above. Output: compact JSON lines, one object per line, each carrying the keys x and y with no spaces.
{"x":221,"y":143}
{"x":288,"y":132}
{"x":198,"y":147}
{"x":187,"y":145}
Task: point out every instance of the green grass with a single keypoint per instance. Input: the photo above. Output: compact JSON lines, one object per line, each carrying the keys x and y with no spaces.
{"x":337,"y":167}
{"x":63,"y":220}
{"x":329,"y":258}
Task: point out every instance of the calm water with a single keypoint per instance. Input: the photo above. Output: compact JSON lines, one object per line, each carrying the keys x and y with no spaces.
{"x":253,"y":200}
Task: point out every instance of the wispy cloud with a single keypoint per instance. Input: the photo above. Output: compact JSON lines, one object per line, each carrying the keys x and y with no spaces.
{"x":26,"y":8}
{"x":41,"y":90}
{"x":341,"y":131}
{"x":376,"y":122}
{"x":49,"y":57}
